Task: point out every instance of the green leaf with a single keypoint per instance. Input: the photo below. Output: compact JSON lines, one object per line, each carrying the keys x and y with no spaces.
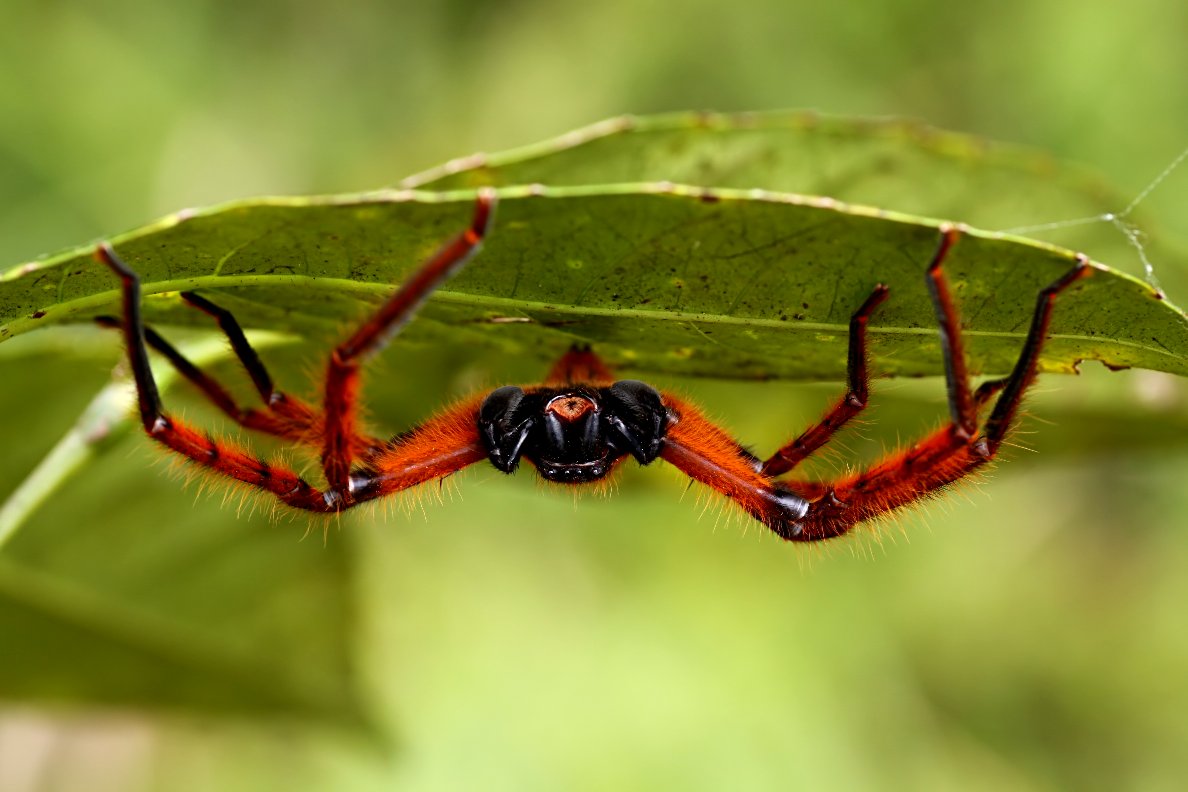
{"x":897,"y":164}
{"x":106,"y":418}
{"x":166,"y":608}
{"x":236,"y":617}
{"x":690,"y":281}
{"x":140,"y":651}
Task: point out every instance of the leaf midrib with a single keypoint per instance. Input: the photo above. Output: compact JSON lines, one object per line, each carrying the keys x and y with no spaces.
{"x":511,"y":306}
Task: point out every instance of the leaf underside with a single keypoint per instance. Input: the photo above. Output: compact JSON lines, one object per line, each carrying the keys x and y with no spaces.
{"x":661,"y":279}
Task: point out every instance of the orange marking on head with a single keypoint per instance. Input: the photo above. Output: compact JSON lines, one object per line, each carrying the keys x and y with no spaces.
{"x":570,"y":407}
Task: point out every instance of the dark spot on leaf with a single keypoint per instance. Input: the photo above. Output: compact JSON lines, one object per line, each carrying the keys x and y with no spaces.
{"x":38,"y":314}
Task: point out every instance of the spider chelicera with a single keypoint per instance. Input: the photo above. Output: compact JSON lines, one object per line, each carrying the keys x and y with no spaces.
{"x":581,"y":423}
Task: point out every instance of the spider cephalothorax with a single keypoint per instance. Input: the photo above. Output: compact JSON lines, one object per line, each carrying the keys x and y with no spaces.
{"x":572,"y":434}
{"x":578,"y":425}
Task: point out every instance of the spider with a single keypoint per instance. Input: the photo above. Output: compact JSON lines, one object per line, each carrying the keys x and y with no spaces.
{"x":581,"y":423}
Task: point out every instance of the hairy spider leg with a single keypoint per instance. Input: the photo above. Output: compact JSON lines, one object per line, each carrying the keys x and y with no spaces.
{"x":855,"y":400}
{"x":343,"y":370}
{"x":239,"y":345}
{"x":436,"y":448}
{"x":440,"y":446}
{"x":707,"y":454}
{"x":224,"y":458}
{"x":963,"y":413}
{"x":806,"y":511}
{"x":987,"y":391}
{"x":284,"y":416}
{"x":956,"y":449}
{"x":210,"y":388}
{"x":852,"y":403}
{"x":387,"y":467}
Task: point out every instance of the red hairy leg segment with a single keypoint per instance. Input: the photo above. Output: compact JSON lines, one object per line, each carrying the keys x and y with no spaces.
{"x":343,"y":370}
{"x":947,"y":455}
{"x":817,"y":510}
{"x":852,"y":403}
{"x":962,"y":412}
{"x":214,"y":392}
{"x":284,"y":416}
{"x":707,"y":454}
{"x":239,"y":345}
{"x":294,"y":420}
{"x":1006,"y":409}
{"x":440,"y":446}
{"x":225,"y":458}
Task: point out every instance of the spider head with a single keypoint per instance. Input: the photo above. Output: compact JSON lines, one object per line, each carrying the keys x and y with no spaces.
{"x":572,"y":434}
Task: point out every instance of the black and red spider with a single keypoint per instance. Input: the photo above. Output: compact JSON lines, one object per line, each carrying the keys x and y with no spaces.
{"x":580,"y":424}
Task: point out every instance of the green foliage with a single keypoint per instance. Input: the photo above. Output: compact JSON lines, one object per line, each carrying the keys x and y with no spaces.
{"x":127,"y":603}
{"x":1029,"y":637}
{"x":679,"y":280}
{"x":886,"y":162}
{"x":682,"y":281}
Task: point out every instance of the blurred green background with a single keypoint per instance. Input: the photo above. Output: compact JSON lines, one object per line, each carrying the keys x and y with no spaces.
{"x":1025,"y":633}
